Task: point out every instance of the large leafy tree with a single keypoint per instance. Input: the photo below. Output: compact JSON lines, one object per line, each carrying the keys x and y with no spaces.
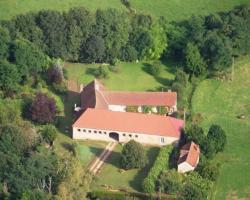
{"x":24,"y":26}
{"x":194,"y":62}
{"x":94,"y":50}
{"x":218,"y":135}
{"x":217,"y":51}
{"x":9,"y":76}
{"x":196,"y":134}
{"x":43,"y":109}
{"x":29,"y":59}
{"x":196,"y":29}
{"x":79,"y":23}
{"x":114,"y":27}
{"x":4,"y":43}
{"x":133,"y":155}
{"x":53,"y":25}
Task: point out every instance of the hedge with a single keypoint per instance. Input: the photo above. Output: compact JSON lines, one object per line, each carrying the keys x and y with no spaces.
{"x":161,"y":163}
{"x":109,"y":195}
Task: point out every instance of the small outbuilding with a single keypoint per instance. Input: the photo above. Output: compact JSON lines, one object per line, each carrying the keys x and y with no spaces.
{"x":189,"y":157}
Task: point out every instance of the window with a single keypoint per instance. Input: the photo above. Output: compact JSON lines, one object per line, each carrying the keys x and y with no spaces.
{"x":79,"y":129}
{"x":136,"y":136}
{"x":100,"y":132}
{"x":84,"y":130}
{"x":162,"y":140}
{"x":124,"y":134}
{"x":89,"y":131}
{"x":130,"y":135}
{"x":95,"y":131}
{"x":105,"y":132}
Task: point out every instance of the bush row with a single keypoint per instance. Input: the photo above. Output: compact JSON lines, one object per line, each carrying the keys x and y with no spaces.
{"x":161,"y":163}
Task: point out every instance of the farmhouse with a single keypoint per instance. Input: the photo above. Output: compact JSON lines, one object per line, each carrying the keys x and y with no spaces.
{"x":105,"y":118}
{"x":189,"y":157}
{"x":103,"y":124}
{"x":95,"y":95}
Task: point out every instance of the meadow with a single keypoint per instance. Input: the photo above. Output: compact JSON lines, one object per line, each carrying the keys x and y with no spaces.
{"x":222,"y":103}
{"x":130,"y":76}
{"x":171,"y":9}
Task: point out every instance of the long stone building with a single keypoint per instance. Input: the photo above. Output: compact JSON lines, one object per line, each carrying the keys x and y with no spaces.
{"x":105,"y":118}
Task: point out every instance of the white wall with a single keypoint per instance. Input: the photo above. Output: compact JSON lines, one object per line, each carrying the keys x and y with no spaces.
{"x":185,"y":167}
{"x":78,"y":133}
{"x":120,"y":108}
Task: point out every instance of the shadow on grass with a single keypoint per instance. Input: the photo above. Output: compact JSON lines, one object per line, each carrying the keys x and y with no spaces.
{"x":164,"y":81}
{"x":136,"y":183}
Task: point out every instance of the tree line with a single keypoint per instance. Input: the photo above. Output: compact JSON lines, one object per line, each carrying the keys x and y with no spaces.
{"x":203,"y":44}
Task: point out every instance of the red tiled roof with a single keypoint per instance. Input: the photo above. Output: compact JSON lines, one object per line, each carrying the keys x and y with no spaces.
{"x":141,"y":98}
{"x":190,"y":153}
{"x":94,"y":95}
{"x":130,"y":122}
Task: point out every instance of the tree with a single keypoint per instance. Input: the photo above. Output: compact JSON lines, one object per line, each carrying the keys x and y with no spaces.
{"x":155,"y":69}
{"x":55,"y":73}
{"x":133,"y":155}
{"x":53,"y":25}
{"x":101,"y":72}
{"x":94,"y":50}
{"x":9,"y":76}
{"x":210,"y":171}
{"x":194,"y":62}
{"x":196,"y":29}
{"x":24,"y":26}
{"x":217,"y":52}
{"x":170,"y":181}
{"x":129,"y":53}
{"x":213,"y":21}
{"x":196,"y":134}
{"x":114,"y":27}
{"x":79,"y":22}
{"x":195,"y":187}
{"x":12,"y":140}
{"x":43,"y":109}
{"x":190,"y":192}
{"x":29,"y":59}
{"x":4,"y":43}
{"x":217,"y":134}
{"x":49,"y":134}
{"x":209,"y":148}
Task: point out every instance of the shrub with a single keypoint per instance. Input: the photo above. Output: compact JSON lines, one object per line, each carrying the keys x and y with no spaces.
{"x":43,"y":109}
{"x":101,"y":72}
{"x":210,"y":171}
{"x":133,"y":155}
{"x":161,"y":163}
{"x":49,"y":134}
{"x":155,"y":69}
{"x":55,"y":74}
{"x":170,"y":181}
{"x":132,"y":109}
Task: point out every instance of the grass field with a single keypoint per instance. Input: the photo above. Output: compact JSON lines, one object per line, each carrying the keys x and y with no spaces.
{"x":221,"y":103}
{"x":171,"y":9}
{"x":131,"y":76}
{"x":130,"y":180}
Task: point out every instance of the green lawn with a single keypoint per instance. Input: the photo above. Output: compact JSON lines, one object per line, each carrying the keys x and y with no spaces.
{"x":130,"y":180}
{"x":131,"y":76}
{"x":171,"y":9}
{"x":221,"y":103}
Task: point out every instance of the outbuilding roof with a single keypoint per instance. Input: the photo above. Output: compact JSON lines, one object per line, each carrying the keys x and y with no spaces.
{"x":190,"y":153}
{"x":150,"y":124}
{"x":94,"y":95}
